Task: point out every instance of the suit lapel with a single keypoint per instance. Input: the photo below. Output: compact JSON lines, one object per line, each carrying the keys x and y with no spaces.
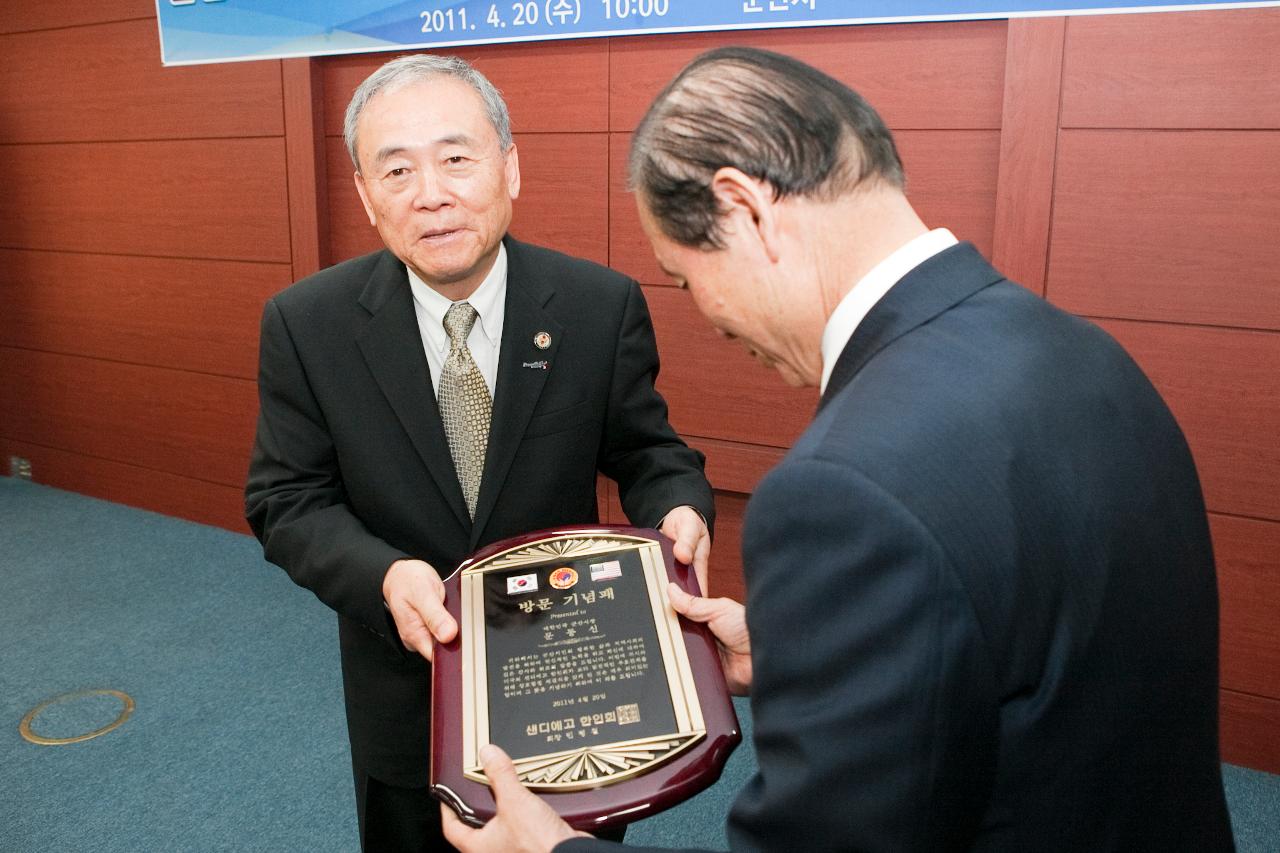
{"x":518,"y":384}
{"x":944,"y":280}
{"x":392,"y":347}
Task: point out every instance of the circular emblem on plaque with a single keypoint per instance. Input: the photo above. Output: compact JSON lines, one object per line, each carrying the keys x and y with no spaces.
{"x":563,"y":578}
{"x":542,"y":340}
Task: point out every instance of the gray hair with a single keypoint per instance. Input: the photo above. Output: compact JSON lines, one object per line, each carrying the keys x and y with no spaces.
{"x":774,"y":118}
{"x":424,"y":66}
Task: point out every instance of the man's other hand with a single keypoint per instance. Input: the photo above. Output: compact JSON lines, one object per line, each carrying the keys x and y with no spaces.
{"x":523,"y":822}
{"x":685,"y":527}
{"x":415,"y":595}
{"x":727,"y":620}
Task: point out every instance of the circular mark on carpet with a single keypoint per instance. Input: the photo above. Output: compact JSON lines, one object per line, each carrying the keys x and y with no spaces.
{"x":75,"y":717}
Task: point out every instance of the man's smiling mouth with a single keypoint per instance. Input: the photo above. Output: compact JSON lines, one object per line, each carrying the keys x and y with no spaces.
{"x":439,"y":233}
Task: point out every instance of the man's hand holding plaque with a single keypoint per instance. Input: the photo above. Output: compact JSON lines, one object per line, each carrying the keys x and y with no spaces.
{"x":414,"y":594}
{"x":524,"y":823}
{"x":727,"y":620}
{"x":690,"y":540}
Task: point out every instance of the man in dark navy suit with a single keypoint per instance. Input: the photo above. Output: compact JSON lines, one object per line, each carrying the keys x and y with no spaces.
{"x":981,"y":608}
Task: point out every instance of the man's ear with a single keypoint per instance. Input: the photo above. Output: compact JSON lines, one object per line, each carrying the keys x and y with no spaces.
{"x":511,"y":172}
{"x":747,"y":204}
{"x":364,"y":199}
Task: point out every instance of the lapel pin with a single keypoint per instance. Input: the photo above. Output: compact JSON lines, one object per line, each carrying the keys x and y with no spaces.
{"x":542,"y":340}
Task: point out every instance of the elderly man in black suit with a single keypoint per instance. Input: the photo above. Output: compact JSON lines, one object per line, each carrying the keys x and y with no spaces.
{"x":981,"y":610}
{"x":458,"y":388}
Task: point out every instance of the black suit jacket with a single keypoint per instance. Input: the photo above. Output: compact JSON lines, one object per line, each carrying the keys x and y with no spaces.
{"x":351,"y":470}
{"x":981,"y":596}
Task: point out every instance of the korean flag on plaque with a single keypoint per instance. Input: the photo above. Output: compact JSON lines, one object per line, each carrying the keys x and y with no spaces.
{"x":522,"y":583}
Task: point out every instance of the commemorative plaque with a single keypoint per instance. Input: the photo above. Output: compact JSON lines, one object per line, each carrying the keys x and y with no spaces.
{"x":570,"y":657}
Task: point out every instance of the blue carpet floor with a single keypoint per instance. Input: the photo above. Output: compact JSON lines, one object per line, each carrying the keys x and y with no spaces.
{"x":237,"y":741}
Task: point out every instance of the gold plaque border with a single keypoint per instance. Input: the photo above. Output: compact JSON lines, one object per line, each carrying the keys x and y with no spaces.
{"x":24,"y":728}
{"x":601,"y":764}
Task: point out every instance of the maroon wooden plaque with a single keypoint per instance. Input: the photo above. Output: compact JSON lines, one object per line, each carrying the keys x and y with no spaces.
{"x":570,"y":657}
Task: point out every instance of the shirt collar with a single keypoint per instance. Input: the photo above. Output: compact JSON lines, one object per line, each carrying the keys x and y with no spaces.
{"x":871,"y":288}
{"x":488,"y":300}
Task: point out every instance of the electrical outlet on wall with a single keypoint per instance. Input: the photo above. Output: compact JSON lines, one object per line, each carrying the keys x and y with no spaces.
{"x":19,"y":467}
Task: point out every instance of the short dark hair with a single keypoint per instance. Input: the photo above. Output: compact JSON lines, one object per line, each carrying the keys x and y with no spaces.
{"x":774,"y":118}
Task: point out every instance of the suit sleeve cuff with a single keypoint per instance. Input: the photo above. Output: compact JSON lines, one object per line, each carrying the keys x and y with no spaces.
{"x":663,"y":520}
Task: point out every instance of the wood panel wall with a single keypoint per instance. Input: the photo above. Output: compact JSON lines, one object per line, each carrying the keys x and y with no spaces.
{"x":144,"y":221}
{"x":1126,"y":167}
{"x":1166,"y":209}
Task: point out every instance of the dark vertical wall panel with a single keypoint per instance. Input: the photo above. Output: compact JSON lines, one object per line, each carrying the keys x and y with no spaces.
{"x":726,"y":573}
{"x":301,"y":88}
{"x":1028,"y":139}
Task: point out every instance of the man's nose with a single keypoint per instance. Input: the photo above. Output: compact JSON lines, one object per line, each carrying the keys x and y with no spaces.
{"x":431,"y":191}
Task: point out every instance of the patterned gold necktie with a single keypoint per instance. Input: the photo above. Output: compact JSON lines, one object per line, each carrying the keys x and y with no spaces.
{"x":465,"y":405}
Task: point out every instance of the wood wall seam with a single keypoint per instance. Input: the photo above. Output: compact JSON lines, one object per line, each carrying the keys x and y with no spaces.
{"x":305,"y":167}
{"x":1028,"y":149}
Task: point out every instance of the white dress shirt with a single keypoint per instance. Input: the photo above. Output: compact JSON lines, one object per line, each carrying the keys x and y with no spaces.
{"x":485,"y":340}
{"x":859,"y":301}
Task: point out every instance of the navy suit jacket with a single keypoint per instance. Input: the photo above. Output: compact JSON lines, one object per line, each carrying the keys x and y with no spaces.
{"x":981,"y":595}
{"x":351,"y":469}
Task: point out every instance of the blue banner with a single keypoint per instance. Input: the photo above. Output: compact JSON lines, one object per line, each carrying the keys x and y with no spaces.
{"x":194,"y":31}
